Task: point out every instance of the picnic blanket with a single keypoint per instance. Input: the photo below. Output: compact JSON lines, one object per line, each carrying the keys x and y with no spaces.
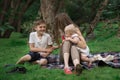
{"x":111,"y":59}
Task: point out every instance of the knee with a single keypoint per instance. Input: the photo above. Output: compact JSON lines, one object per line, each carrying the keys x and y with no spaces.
{"x":43,"y":61}
{"x":77,"y":61}
{"x":73,"y":47}
{"x":66,"y":42}
{"x":66,"y":47}
{"x":25,"y":58}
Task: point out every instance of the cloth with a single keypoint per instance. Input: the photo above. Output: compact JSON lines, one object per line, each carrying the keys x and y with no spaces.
{"x":85,"y":51}
{"x":35,"y":56}
{"x":114,"y":63}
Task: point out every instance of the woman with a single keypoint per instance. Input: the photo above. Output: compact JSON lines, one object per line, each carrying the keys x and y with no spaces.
{"x":62,"y":20}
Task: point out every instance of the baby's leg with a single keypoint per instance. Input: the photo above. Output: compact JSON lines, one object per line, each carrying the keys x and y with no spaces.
{"x":86,"y":59}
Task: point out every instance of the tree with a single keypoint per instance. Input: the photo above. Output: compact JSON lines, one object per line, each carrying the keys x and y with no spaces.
{"x":97,"y":17}
{"x":12,"y":12}
{"x":49,"y":9}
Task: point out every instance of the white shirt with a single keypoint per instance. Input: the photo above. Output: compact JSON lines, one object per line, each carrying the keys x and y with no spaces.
{"x":40,"y":43}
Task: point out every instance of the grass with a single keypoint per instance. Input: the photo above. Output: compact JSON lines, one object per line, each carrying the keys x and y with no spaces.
{"x":13,"y":48}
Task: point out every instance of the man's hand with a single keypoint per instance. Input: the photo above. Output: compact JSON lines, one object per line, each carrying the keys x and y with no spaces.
{"x":49,"y":50}
{"x":44,"y":54}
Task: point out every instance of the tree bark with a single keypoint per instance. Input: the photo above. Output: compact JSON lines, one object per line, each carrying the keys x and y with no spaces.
{"x":96,"y":19}
{"x":5,"y":7}
{"x":49,"y":9}
{"x":7,"y":33}
{"x":14,"y":6}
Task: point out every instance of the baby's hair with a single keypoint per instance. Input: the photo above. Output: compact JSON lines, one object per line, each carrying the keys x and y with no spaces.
{"x":70,"y":29}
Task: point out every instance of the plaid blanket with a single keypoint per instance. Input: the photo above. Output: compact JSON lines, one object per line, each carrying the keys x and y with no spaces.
{"x":115,"y":63}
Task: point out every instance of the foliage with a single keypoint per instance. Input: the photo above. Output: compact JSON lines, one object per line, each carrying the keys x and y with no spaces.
{"x":112,"y":10}
{"x":30,"y":15}
{"x":32,"y":12}
{"x":5,"y":27}
{"x":82,"y":11}
{"x":105,"y":30}
{"x":27,"y":28}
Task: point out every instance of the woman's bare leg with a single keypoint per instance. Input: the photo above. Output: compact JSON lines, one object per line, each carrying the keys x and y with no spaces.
{"x":75,"y":55}
{"x":66,"y":53}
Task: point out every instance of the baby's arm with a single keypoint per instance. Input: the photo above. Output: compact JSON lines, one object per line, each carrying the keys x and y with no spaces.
{"x":74,"y":40}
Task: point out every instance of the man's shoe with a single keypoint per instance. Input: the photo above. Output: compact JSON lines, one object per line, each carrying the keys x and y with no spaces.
{"x":67,"y":71}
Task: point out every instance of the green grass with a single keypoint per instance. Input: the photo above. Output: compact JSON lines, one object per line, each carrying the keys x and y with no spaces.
{"x":15,"y":47}
{"x":111,"y":44}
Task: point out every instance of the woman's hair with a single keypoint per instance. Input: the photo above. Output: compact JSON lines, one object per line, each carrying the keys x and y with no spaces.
{"x":61,"y":20}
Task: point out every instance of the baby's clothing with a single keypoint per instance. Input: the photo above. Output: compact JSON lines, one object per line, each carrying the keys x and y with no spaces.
{"x":84,"y":51}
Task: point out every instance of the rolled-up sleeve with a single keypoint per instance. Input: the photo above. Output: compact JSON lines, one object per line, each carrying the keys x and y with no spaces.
{"x":50,"y":40}
{"x":31,"y":39}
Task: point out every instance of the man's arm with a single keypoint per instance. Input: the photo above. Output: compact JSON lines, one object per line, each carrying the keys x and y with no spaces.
{"x":33,"y":49}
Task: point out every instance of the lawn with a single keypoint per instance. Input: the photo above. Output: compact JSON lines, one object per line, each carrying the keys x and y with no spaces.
{"x":13,"y":48}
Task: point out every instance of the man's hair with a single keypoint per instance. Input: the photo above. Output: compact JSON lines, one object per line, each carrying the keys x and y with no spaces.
{"x":38,"y":22}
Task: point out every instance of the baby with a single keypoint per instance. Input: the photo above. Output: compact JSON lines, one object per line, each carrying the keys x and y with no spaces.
{"x":78,"y":40}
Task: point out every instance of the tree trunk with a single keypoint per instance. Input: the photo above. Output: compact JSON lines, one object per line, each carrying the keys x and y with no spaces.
{"x":14,"y":5}
{"x":4,"y":6}
{"x":7,"y":33}
{"x":49,"y":9}
{"x":96,"y":19}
